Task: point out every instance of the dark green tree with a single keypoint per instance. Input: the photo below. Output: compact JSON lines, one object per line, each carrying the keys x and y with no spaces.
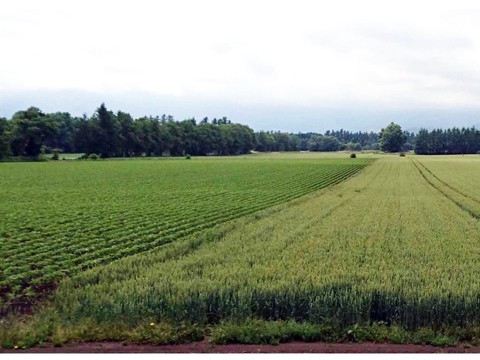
{"x":127,"y":137}
{"x":66,"y":126}
{"x":209,"y":139}
{"x":450,"y":141}
{"x":392,"y":138}
{"x":421,"y":142}
{"x":188,"y":135}
{"x":144,"y":133}
{"x":323,"y":143}
{"x":5,"y":135}
{"x":264,"y":141}
{"x":83,"y":136}
{"x":107,"y":133}
{"x":31,"y":129}
{"x":351,"y":146}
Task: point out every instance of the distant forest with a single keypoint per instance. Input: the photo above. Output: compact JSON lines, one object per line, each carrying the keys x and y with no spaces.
{"x":30,"y":133}
{"x":450,"y":141}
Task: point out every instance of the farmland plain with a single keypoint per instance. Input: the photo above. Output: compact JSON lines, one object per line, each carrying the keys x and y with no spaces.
{"x":61,"y":218}
{"x":384,"y":246}
{"x":396,"y":245}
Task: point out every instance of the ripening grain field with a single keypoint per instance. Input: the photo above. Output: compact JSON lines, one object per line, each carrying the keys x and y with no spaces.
{"x":387,"y":245}
{"x":60,"y":218}
{"x":396,"y":245}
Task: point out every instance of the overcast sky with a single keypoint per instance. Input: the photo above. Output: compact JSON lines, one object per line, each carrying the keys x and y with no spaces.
{"x":292,"y":65}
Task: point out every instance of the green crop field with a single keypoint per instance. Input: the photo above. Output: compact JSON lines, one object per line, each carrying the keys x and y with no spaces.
{"x":386,"y":245}
{"x":396,"y":246}
{"x":60,"y":218}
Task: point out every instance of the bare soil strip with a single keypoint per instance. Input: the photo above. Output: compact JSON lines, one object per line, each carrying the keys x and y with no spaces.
{"x":206,"y":347}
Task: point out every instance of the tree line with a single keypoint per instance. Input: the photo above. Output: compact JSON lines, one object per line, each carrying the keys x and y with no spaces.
{"x":330,"y":141}
{"x":32,"y":132}
{"x":107,"y":134}
{"x":450,"y":141}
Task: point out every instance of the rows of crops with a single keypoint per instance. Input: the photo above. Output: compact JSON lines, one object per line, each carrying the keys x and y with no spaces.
{"x":456,"y":180}
{"x":389,"y":245}
{"x":60,"y":218}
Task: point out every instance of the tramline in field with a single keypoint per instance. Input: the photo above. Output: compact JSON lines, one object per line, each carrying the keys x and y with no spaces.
{"x":388,"y":255}
{"x":385,"y":246}
{"x":59,"y":219}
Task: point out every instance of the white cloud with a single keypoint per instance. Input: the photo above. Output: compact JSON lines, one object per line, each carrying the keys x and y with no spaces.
{"x":295,"y":53}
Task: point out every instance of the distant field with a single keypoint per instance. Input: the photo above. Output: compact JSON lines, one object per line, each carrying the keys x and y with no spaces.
{"x":62,"y":217}
{"x":315,"y":155}
{"x":272,"y":155}
{"x":67,"y":156}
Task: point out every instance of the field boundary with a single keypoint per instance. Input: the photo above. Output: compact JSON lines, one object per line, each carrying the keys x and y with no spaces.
{"x":206,"y":347}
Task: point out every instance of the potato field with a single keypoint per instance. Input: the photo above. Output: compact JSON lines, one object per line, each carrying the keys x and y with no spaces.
{"x":60,"y":218}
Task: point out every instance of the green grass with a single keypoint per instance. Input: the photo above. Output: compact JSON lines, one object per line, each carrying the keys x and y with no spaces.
{"x":275,"y":332}
{"x":59,"y":218}
{"x":389,"y":255}
{"x":250,"y":331}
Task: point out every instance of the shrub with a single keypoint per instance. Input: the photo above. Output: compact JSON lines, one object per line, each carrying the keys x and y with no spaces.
{"x":41,"y":158}
{"x":258,"y":332}
{"x":93,"y":156}
{"x":188,"y":157}
{"x":55,"y":156}
{"x":353,"y":156}
{"x":402,"y":154}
